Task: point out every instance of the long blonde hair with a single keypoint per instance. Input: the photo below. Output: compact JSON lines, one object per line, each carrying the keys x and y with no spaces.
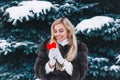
{"x":71,"y":37}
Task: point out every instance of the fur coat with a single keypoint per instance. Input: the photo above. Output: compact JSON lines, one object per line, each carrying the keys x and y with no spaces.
{"x":80,"y":63}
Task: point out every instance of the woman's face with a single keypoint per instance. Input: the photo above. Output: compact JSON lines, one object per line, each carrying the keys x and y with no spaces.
{"x":60,"y":32}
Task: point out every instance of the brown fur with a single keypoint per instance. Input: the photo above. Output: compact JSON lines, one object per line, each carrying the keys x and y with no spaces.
{"x":80,"y":63}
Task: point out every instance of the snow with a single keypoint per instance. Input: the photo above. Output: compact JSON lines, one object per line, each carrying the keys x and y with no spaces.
{"x":94,"y":23}
{"x":26,"y":9}
{"x":118,"y":57}
{"x":89,"y":5}
{"x":116,"y":68}
{"x":101,"y":59}
{"x":18,"y":13}
{"x":3,"y":43}
{"x":19,"y":44}
{"x":37,"y":6}
{"x":6,"y":47}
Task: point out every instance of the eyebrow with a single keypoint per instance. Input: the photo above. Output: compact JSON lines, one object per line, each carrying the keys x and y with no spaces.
{"x":55,"y":29}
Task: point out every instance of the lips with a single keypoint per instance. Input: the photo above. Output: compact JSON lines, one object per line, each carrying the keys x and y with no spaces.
{"x":58,"y":38}
{"x":50,"y":46}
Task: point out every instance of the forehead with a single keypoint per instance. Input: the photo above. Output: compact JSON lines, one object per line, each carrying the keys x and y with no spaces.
{"x":59,"y":26}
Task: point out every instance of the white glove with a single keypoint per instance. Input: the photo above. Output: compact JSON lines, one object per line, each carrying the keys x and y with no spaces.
{"x":48,"y":69}
{"x":68,"y":67}
{"x":52,"y":55}
{"x":59,"y":57}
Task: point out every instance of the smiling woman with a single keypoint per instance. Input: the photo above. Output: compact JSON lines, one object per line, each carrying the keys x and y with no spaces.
{"x":60,"y":32}
{"x":67,"y":60}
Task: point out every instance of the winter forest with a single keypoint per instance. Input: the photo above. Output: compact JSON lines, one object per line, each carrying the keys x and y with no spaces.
{"x":25,"y":23}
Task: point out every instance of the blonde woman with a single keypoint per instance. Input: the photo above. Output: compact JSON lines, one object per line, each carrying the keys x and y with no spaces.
{"x":67,"y":60}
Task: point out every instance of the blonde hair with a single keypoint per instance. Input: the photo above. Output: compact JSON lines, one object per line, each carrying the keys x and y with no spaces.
{"x":71,"y":37}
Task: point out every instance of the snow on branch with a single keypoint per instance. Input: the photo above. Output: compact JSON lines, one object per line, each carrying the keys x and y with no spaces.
{"x":94,"y":23}
{"x":4,"y":47}
{"x":37,"y":6}
{"x":115,"y":68}
{"x":26,"y":10}
{"x":118,"y":57}
{"x":18,"y":13}
{"x":86,"y":6}
{"x":100,"y":59}
{"x":7,"y":47}
{"x":68,"y":8}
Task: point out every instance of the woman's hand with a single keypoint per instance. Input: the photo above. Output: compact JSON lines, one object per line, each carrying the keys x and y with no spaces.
{"x":59,"y":57}
{"x":52,"y":56}
{"x":67,"y":66}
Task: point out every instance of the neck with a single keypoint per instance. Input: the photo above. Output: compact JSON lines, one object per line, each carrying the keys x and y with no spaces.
{"x":64,"y":42}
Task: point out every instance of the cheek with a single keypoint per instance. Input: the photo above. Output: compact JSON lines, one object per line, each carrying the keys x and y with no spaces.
{"x":65,"y":35}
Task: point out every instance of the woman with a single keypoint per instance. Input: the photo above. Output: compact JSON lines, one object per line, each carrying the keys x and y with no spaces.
{"x":66,"y":61}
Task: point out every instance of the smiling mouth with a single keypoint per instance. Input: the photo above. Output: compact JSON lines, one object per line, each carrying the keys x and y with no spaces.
{"x":58,"y":38}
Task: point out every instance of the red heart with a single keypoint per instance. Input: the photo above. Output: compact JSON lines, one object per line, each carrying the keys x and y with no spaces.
{"x":52,"y":45}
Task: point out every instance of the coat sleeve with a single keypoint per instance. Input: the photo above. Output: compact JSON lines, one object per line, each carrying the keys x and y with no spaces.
{"x":80,"y":64}
{"x":41,"y":60}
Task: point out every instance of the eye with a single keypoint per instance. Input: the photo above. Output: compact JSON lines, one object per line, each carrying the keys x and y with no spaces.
{"x":55,"y":31}
{"x":61,"y":30}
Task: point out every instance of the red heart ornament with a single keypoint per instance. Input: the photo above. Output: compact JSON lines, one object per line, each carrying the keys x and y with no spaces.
{"x":52,"y":45}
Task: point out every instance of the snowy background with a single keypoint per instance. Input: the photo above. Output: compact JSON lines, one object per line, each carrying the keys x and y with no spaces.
{"x":24,"y":24}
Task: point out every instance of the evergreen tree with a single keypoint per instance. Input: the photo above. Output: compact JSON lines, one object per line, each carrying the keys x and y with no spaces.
{"x":23,"y":27}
